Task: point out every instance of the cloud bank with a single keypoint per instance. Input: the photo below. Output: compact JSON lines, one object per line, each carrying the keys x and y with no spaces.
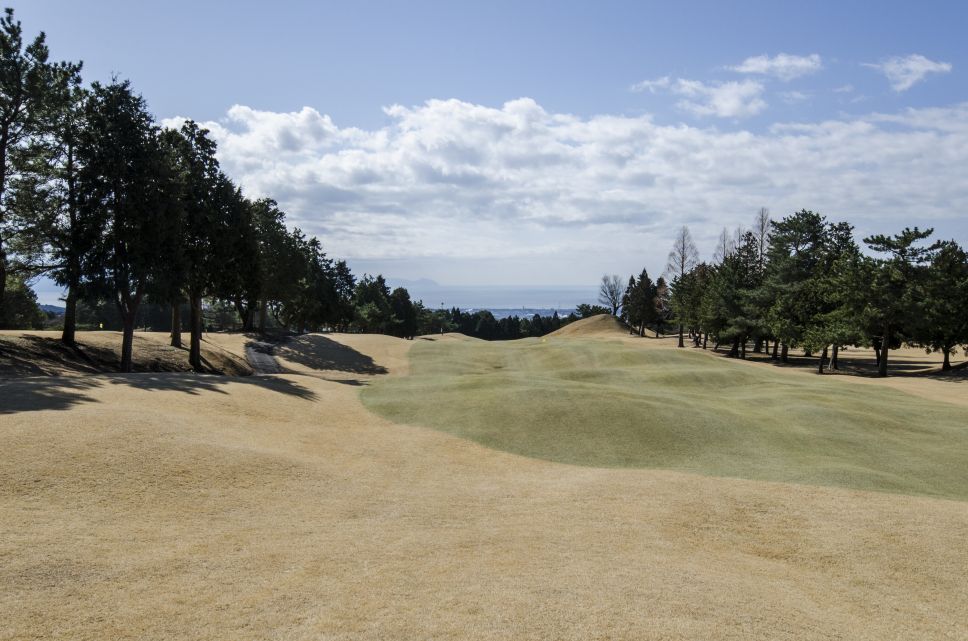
{"x":515,"y":187}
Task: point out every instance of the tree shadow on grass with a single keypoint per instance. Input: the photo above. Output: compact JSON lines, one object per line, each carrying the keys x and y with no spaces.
{"x":44,"y":393}
{"x":64,"y":392}
{"x":354,"y":382}
{"x":860,"y":364}
{"x":42,"y":356}
{"x":954,"y":375}
{"x":318,"y":352}
{"x":30,"y":355}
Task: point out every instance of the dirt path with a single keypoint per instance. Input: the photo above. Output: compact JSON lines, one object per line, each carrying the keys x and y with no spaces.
{"x":261,"y":359}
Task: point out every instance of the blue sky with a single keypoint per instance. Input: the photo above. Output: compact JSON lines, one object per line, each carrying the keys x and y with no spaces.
{"x":499,"y":142}
{"x":350,"y":59}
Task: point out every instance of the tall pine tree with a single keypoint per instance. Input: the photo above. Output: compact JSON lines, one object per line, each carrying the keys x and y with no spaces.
{"x":31,"y":91}
{"x":125,"y":186}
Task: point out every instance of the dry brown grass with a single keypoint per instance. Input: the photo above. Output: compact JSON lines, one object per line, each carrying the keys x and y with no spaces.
{"x":175,"y":506}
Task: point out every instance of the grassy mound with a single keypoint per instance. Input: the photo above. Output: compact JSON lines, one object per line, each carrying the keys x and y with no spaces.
{"x":610,"y":404}
{"x":602,"y":325}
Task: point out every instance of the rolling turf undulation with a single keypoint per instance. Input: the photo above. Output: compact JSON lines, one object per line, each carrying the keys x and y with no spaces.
{"x":603,"y":403}
{"x":171,"y":505}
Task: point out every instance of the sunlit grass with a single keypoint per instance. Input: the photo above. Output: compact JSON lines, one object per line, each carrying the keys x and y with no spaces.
{"x":612,"y":404}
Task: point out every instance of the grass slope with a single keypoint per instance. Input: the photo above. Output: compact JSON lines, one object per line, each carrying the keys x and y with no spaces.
{"x":40,"y":353}
{"x":170,"y":507}
{"x":611,"y":404}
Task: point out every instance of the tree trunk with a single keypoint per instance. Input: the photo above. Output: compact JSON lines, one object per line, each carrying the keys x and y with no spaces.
{"x":785,"y":353}
{"x":73,"y":261}
{"x":823,"y":359}
{"x":70,"y":318}
{"x":776,"y":347}
{"x":742,"y":350}
{"x":734,"y":349}
{"x":947,"y":360}
{"x":758,"y":346}
{"x":127,"y":338}
{"x":195,"y":349}
{"x":885,"y":350}
{"x":128,"y":304}
{"x":705,"y":339}
{"x":263,"y":314}
{"x":246,"y":314}
{"x":176,"y":325}
{"x":681,"y":344}
{"x":833,"y":358}
{"x":642,"y":329}
{"x":3,"y":273}
{"x":4,"y":141}
{"x":240,"y":310}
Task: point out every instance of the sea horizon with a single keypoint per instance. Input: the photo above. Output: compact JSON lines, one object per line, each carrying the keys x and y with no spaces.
{"x":501,"y":300}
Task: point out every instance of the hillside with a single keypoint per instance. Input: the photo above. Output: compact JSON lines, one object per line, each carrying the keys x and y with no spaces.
{"x":602,"y":325}
{"x":166,"y":505}
{"x":628,"y":404}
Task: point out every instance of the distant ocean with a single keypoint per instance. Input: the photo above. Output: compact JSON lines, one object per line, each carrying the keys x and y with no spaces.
{"x":502,"y":301}
{"x":515,"y":300}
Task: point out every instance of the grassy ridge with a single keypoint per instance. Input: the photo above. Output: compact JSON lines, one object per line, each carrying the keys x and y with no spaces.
{"x":608,"y":404}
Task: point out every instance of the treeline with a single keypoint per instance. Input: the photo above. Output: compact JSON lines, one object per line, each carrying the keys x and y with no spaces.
{"x":482,"y":324}
{"x":804,"y":283}
{"x":642,"y":304}
{"x":123,"y":213}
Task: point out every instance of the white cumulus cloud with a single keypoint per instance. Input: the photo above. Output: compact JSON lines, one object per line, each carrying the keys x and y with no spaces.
{"x":722,"y":99}
{"x":783,"y":66}
{"x":652,"y":85}
{"x":515,"y":193}
{"x":904,"y":72}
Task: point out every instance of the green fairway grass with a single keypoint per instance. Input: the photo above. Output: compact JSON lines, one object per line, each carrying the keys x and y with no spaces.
{"x":611,"y":404}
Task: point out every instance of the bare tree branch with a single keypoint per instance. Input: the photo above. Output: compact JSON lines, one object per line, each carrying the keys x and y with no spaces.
{"x":683,"y":256}
{"x":610,"y":292}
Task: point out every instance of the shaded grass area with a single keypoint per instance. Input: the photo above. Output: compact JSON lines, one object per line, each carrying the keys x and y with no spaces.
{"x":607,"y":404}
{"x":43,"y":354}
{"x":39,"y":393}
{"x":319,"y":352}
